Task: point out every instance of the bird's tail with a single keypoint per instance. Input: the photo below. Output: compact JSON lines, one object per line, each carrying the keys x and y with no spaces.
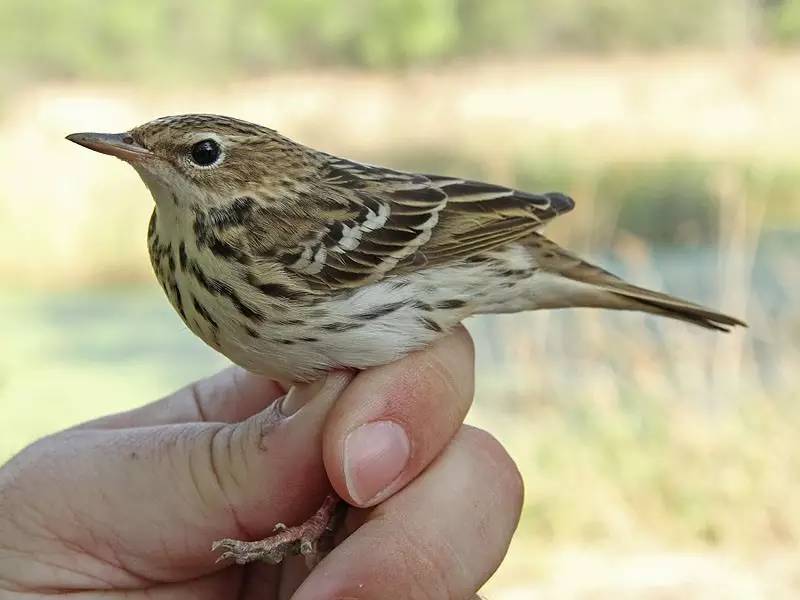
{"x":569,"y":281}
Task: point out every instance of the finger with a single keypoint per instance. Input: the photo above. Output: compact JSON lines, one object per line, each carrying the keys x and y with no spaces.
{"x":154,"y":498}
{"x":392,"y":421}
{"x":231,"y":395}
{"x":441,"y":537}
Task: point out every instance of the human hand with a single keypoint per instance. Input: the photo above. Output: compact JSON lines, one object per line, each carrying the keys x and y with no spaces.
{"x":127,"y":506}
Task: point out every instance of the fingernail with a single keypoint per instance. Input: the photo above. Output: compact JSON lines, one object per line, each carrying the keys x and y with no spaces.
{"x":375,"y":454}
{"x":299,"y":395}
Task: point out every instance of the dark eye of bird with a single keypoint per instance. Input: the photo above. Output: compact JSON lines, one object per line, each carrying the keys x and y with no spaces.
{"x":205,"y":153}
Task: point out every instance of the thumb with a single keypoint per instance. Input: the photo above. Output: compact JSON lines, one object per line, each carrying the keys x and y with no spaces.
{"x":152,"y":499}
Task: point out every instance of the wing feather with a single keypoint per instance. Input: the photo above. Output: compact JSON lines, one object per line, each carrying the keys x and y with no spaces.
{"x":394,"y":221}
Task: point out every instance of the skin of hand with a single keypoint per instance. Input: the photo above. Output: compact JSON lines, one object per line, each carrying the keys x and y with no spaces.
{"x":127,"y":505}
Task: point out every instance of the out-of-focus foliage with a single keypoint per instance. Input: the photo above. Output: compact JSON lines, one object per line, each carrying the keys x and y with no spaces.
{"x":147,"y":39}
{"x":598,"y":25}
{"x":784,"y":20}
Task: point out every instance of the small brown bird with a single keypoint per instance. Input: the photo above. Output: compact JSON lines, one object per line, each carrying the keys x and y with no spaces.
{"x":292,"y":262}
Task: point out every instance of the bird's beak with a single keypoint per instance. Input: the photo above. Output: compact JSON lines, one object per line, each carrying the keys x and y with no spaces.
{"x":120,"y":145}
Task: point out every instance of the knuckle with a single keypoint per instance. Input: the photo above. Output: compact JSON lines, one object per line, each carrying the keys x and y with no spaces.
{"x":222,"y":461}
{"x":417,"y":385}
{"x":210,"y":471}
{"x":428,"y":396}
{"x":225,"y":469}
{"x":454,"y":354}
{"x":436,"y":376}
{"x":445,"y":371}
{"x":198,"y":392}
{"x":210,"y":391}
{"x":207,"y":461}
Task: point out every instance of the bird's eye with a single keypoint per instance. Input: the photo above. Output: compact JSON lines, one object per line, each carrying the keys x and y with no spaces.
{"x":206,"y":153}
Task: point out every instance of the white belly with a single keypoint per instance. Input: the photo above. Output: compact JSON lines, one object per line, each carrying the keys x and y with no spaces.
{"x":373,"y":325}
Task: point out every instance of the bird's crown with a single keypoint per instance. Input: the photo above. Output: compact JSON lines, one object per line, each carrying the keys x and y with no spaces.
{"x":203,"y":155}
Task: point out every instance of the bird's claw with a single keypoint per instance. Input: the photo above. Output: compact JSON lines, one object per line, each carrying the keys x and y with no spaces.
{"x":301,"y":539}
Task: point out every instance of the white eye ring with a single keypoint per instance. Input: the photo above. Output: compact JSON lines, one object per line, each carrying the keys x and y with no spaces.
{"x":206,"y":154}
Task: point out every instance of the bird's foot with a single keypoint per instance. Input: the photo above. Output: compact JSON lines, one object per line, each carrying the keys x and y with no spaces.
{"x":287,"y":541}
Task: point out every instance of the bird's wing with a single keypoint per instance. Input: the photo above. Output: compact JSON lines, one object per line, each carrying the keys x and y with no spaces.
{"x":395,"y":222}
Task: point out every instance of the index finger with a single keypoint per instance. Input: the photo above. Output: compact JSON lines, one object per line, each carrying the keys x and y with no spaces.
{"x":393,"y":420}
{"x":230,"y":396}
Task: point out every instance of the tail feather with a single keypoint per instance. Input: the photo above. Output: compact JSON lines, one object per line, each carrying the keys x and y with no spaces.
{"x":574,"y":282}
{"x":674,"y":308}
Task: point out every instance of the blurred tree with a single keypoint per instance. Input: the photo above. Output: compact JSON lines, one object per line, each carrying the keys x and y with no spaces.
{"x":783,"y":18}
{"x":149,"y":39}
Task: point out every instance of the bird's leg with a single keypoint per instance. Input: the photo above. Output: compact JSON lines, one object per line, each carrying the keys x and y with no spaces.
{"x":300,"y":539}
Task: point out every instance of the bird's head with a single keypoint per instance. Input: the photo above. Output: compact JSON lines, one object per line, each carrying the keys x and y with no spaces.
{"x":196,"y":161}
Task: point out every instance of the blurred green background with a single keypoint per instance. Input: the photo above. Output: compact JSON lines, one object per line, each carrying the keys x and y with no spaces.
{"x":660,"y":461}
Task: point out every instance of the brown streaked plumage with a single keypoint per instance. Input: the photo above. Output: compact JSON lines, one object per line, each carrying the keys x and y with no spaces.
{"x":293,"y":262}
